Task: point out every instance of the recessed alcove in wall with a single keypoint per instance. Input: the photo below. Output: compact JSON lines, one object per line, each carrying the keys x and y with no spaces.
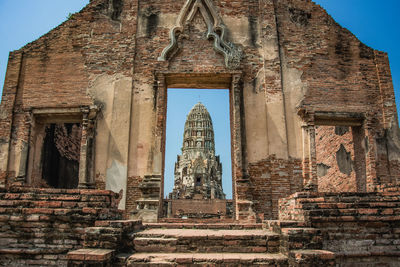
{"x":340,"y":156}
{"x":179,"y":104}
{"x":55,"y":150}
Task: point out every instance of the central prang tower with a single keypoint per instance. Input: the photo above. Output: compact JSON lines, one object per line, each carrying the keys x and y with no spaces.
{"x":198,"y":172}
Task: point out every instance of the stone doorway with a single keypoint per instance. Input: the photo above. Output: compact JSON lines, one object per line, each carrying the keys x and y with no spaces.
{"x":198,"y":173}
{"x":240,"y":183}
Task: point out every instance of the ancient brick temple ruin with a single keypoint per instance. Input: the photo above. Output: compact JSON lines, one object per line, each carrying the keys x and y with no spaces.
{"x":314,"y":136}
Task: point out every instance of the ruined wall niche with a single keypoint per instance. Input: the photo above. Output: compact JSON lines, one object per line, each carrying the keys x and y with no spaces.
{"x":58,"y":140}
{"x":340,"y":155}
{"x":151,"y":19}
{"x":111,"y":8}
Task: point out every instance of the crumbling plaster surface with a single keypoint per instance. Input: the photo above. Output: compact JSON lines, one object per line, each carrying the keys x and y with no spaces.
{"x":18,"y":157}
{"x":272,"y":83}
{"x":393,"y":139}
{"x":295,"y":90}
{"x":116,"y":180}
{"x":142,"y":125}
{"x":256,"y":124}
{"x":166,"y":20}
{"x":239,"y":29}
{"x":3,"y":154}
{"x":113,"y":95}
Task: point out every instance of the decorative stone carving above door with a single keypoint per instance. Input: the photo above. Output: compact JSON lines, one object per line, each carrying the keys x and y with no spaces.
{"x":215,"y":30}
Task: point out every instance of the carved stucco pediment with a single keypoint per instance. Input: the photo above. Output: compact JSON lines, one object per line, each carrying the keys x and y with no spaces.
{"x":215,"y":31}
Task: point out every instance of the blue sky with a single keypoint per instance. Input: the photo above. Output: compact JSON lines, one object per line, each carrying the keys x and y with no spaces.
{"x":374,"y":22}
{"x":23,"y":21}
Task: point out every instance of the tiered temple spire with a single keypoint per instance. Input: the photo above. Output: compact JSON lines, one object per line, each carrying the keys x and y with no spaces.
{"x":198,"y":172}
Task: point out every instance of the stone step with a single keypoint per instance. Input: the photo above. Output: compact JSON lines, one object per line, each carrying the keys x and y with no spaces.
{"x":206,"y":240}
{"x":116,"y":234}
{"x":226,"y":226}
{"x":90,"y":257}
{"x":311,"y":257}
{"x":207,"y":259}
{"x":227,"y":220}
{"x":132,"y":224}
{"x":300,"y":239}
{"x":351,"y":215}
{"x":276,"y":225}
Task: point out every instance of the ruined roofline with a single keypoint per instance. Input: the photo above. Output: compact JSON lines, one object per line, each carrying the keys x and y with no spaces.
{"x":343,"y":27}
{"x":90,"y":8}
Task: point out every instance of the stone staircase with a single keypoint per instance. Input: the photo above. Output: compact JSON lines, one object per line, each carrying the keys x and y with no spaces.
{"x":273,"y":243}
{"x":202,"y":244}
{"x":300,"y":243}
{"x":358,"y":227}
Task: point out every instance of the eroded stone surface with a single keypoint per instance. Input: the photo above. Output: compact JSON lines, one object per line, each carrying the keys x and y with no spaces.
{"x":290,"y":69}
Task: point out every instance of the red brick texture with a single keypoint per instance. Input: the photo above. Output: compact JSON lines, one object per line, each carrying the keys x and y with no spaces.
{"x":39,"y":226}
{"x":339,"y":167}
{"x":335,"y":69}
{"x":201,"y":208}
{"x":357,"y":227}
{"x":296,"y":58}
{"x":273,"y":179}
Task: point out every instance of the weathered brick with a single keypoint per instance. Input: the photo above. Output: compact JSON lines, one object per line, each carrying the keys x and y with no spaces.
{"x":300,"y":73}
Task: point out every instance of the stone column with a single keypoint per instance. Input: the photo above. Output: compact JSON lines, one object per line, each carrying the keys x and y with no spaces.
{"x":169,"y":212}
{"x":83,"y":152}
{"x":86,"y":176}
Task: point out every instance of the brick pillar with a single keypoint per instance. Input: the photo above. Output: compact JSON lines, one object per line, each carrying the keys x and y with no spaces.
{"x":370,"y":161}
{"x":11,"y":85}
{"x":242,"y":185}
{"x":86,"y":176}
{"x":310,"y":181}
{"x":21,"y":179}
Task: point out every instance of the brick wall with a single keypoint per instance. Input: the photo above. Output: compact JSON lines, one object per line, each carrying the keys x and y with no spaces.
{"x":57,"y":70}
{"x":361,"y":228}
{"x":273,"y":179}
{"x":198,"y":208}
{"x":133,"y":194}
{"x":336,"y":68}
{"x":39,"y":226}
{"x":295,"y":56}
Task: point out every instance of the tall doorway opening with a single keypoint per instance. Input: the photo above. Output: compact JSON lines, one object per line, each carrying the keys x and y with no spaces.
{"x":198,"y":165}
